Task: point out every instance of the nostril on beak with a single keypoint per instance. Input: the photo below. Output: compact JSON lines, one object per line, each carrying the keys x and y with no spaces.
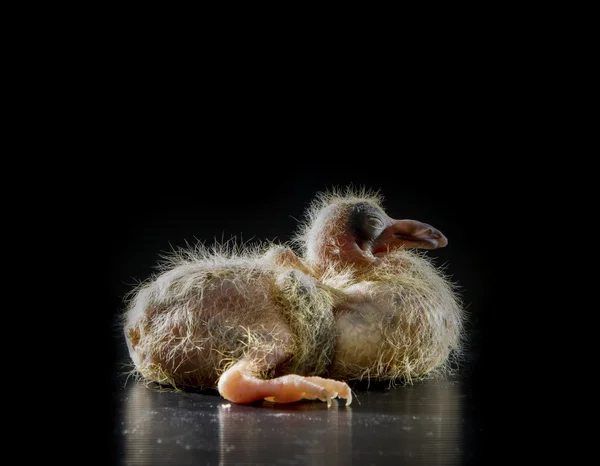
{"x":435,"y":234}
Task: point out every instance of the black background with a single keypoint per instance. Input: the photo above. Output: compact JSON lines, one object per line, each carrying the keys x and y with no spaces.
{"x":215,"y":142}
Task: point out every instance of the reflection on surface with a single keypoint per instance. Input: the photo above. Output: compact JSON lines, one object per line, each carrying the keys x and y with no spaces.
{"x":419,"y":424}
{"x":168,"y":427}
{"x":299,"y":433}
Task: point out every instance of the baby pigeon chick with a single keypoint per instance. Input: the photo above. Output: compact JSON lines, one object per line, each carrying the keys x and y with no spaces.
{"x":267,"y":324}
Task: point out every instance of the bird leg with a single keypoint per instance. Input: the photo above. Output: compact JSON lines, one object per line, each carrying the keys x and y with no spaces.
{"x":240,"y":384}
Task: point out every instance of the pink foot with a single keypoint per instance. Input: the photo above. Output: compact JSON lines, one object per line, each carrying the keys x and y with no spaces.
{"x":238,"y":385}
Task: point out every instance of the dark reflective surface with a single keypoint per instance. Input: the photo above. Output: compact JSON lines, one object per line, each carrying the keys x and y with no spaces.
{"x":430,"y":422}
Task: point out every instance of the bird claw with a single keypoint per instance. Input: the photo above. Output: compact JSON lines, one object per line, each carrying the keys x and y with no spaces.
{"x":293,"y":387}
{"x":334,"y":388}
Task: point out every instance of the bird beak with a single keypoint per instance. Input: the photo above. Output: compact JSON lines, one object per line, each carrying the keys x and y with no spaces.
{"x":409,"y":234}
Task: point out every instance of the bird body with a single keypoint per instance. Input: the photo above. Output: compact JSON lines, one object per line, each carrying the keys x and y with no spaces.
{"x":269,"y":323}
{"x":401,"y":321}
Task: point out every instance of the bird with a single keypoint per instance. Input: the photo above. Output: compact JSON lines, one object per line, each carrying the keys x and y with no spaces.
{"x":352,"y":296}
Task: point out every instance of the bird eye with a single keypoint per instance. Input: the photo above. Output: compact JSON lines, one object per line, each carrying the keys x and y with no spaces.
{"x":374,"y":222}
{"x":366,"y":221}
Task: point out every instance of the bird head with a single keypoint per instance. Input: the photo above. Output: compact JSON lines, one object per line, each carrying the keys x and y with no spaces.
{"x":352,"y":229}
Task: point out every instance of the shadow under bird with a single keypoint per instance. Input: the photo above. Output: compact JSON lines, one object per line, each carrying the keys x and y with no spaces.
{"x":348,"y":299}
